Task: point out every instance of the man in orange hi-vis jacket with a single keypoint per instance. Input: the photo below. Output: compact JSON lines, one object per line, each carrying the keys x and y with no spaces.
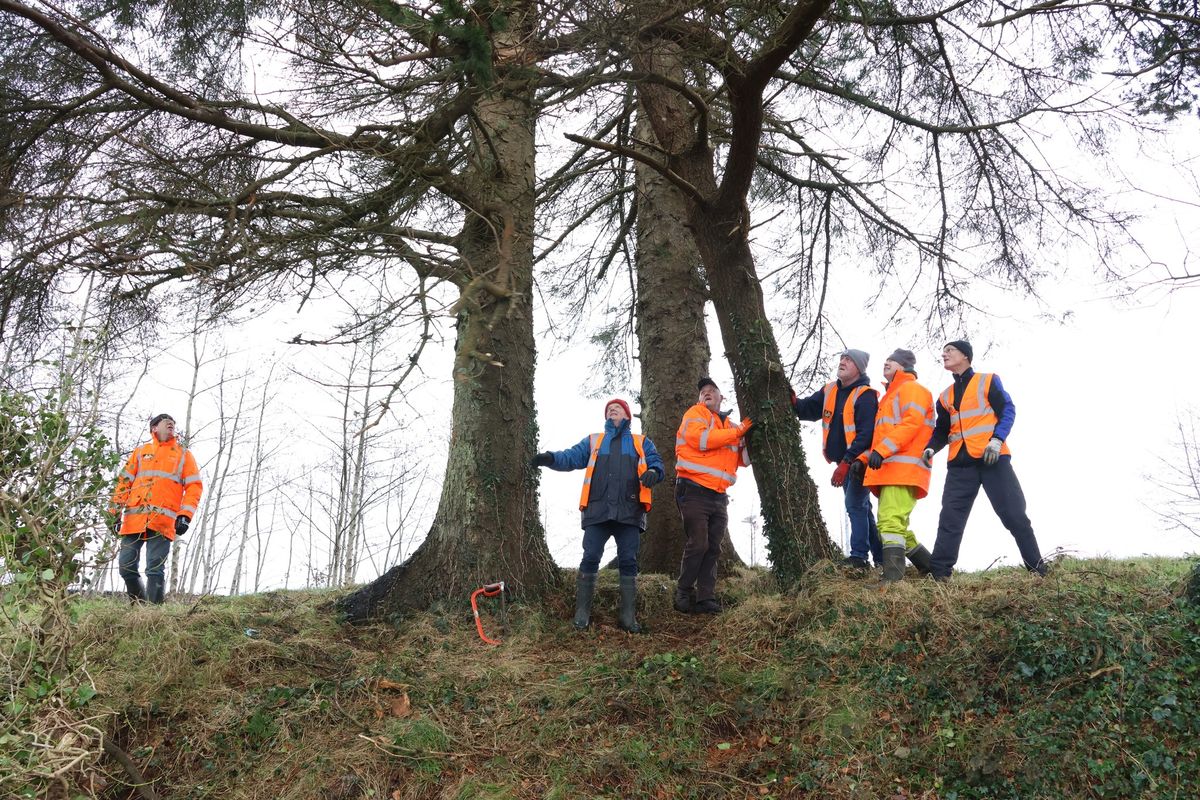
{"x":156,"y":497}
{"x":898,"y":475}
{"x":709,"y":448}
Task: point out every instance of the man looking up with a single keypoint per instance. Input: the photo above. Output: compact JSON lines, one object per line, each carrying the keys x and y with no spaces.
{"x":897,"y":474}
{"x":709,"y":448}
{"x":974,"y":416}
{"x":846,"y":408}
{"x":622,"y":466}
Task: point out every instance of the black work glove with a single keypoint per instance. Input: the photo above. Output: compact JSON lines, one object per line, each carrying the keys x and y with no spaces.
{"x":875,"y":461}
{"x":857,"y":468}
{"x":542,"y":460}
{"x":650,"y":477}
{"x":116,"y":524}
{"x":181,"y":525}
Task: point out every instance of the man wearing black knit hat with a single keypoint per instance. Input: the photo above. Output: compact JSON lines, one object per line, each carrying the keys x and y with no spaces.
{"x":975,"y":416}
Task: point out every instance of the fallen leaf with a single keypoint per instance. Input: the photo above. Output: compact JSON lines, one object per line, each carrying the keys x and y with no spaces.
{"x":384,"y":683}
{"x":401,"y":707}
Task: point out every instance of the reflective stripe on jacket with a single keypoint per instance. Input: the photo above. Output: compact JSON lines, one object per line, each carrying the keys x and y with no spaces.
{"x":709,"y":449}
{"x":848,"y":425}
{"x":160,"y":482}
{"x":643,"y":491}
{"x":903,"y":427}
{"x":974,"y":421}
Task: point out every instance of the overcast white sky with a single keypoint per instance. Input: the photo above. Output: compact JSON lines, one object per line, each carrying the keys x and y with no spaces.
{"x":1098,"y":383}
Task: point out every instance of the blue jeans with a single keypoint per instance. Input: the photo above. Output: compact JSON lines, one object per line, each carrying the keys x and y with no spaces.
{"x":596,"y":536}
{"x":864,"y":534}
{"x":158,"y":547}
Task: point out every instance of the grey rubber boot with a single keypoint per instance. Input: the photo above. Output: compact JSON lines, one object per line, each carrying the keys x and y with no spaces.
{"x":155,"y":589}
{"x":893,"y":564}
{"x":919,"y":556}
{"x":133,"y":588}
{"x":585,"y":589}
{"x":627,"y":616}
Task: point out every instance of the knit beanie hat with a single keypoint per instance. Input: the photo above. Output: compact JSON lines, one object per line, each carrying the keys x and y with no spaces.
{"x":621,"y":403}
{"x":860,"y":359}
{"x":904,"y":358}
{"x":157,"y":418}
{"x":964,"y":347}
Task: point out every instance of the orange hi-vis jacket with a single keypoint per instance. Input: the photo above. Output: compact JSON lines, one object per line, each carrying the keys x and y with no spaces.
{"x":159,"y":483}
{"x":974,"y":421}
{"x":643,"y":491}
{"x":831,"y":390}
{"x":903,"y":427}
{"x":709,"y":449}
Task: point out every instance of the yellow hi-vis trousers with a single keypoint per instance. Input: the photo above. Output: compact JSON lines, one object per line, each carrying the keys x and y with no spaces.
{"x":895,"y":507}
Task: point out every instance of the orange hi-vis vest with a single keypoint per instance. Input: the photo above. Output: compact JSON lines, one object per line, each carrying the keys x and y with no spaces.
{"x":595,"y":440}
{"x":974,"y":421}
{"x":847,"y":413}
{"x":708,"y":449}
{"x":903,"y":427}
{"x":160,"y":482}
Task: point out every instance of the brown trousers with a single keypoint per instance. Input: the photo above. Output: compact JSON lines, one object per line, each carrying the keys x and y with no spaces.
{"x":705,"y":518}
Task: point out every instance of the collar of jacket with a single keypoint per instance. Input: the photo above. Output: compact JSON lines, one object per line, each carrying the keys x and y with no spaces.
{"x":863,"y":380}
{"x":961,"y":380}
{"x":615,"y":428}
{"x":899,"y":379}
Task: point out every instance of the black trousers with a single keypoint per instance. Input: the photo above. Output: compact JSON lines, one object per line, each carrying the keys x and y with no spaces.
{"x":1002,"y":488}
{"x":705,"y":517}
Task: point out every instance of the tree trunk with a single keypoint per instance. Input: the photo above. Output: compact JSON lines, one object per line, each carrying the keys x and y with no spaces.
{"x":672,"y":347}
{"x":719,"y":222}
{"x":486,"y":528}
{"x":795,"y":531}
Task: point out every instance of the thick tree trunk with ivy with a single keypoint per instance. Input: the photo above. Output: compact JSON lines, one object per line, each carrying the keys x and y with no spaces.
{"x":672,"y":347}
{"x":486,"y":528}
{"x":719,"y":221}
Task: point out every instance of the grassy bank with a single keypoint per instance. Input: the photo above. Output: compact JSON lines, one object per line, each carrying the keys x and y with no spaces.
{"x":996,"y":685}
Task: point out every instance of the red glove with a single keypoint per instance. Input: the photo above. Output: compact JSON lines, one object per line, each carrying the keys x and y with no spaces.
{"x":839,"y":474}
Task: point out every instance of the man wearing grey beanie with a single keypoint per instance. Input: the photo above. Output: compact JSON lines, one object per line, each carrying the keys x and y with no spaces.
{"x":846,"y":408}
{"x":898,"y":476}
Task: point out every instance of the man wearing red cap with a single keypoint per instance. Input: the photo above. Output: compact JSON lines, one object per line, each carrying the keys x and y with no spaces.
{"x":621,"y":467}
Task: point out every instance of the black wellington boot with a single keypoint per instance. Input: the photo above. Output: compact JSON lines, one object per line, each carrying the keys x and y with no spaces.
{"x":919,"y":556}
{"x":155,"y":589}
{"x":585,"y":589}
{"x":133,"y":588}
{"x":893,"y":564}
{"x":627,"y":617}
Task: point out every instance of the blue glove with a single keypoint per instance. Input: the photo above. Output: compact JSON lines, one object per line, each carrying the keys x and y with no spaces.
{"x":875,"y":460}
{"x":651,"y":477}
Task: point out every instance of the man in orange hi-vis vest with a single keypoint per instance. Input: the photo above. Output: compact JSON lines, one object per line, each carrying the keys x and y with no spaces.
{"x":975,"y":416}
{"x":709,"y":448}
{"x":156,"y":497}
{"x":621,"y":468}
